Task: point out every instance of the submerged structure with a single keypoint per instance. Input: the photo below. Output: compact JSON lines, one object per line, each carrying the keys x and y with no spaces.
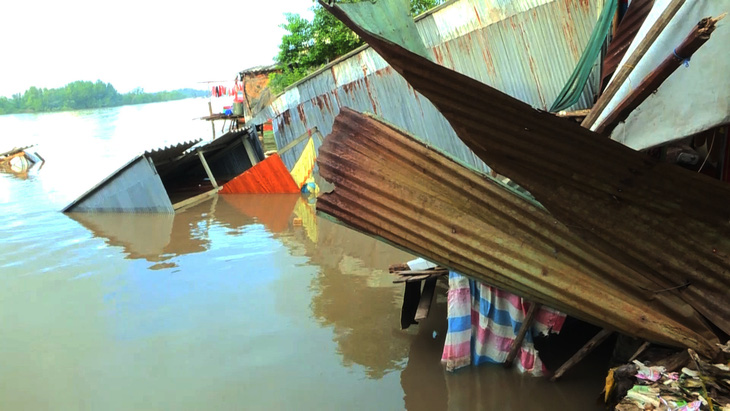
{"x":167,"y":179}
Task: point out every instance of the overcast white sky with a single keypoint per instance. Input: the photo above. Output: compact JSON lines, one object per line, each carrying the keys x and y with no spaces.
{"x":157,"y":45}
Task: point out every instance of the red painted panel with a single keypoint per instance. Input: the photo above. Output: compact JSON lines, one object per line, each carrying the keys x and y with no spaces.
{"x":267,"y":177}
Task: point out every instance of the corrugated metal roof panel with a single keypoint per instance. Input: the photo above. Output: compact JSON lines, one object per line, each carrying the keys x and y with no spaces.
{"x":134,"y":188}
{"x":396,"y":188}
{"x":527,"y":48}
{"x":168,"y":153}
{"x":667,"y":223}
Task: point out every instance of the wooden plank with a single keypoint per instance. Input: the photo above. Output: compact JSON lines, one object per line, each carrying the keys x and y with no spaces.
{"x":576,"y":113}
{"x":640,"y":351}
{"x":575,"y":359}
{"x":194,"y":200}
{"x":620,"y":77}
{"x":411,"y":278}
{"x":411,"y":299}
{"x":526,"y":324}
{"x":421,"y":272}
{"x":424,"y":305}
{"x":207,"y":169}
{"x":298,"y":140}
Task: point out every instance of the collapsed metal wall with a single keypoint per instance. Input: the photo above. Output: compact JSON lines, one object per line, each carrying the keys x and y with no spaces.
{"x":526,"y":48}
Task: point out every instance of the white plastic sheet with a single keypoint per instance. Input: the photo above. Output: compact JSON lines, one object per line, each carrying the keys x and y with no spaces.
{"x":691,"y":100}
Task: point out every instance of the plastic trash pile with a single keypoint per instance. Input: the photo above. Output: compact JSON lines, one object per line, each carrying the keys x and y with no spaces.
{"x":701,"y":386}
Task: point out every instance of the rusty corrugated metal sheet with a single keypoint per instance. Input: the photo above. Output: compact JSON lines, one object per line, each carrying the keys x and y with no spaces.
{"x":667,"y":223}
{"x":527,"y":48}
{"x":394,"y":187}
{"x":625,"y":33}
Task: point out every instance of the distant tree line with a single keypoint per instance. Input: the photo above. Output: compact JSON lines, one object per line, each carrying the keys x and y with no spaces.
{"x":83,"y":95}
{"x":308,"y":45}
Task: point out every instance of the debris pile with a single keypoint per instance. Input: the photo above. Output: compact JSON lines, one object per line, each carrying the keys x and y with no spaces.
{"x":19,"y":160}
{"x":701,"y":385}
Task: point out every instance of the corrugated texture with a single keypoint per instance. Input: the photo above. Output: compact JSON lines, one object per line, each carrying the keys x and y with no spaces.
{"x":169,"y":153}
{"x":258,"y":70}
{"x":625,"y":33}
{"x":526,"y":48}
{"x":392,"y":186}
{"x":134,"y":188}
{"x":669,"y":224}
{"x":267,"y":177}
{"x":226,"y":156}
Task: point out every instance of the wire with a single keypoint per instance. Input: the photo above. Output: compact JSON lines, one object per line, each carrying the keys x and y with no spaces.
{"x":709,"y":150}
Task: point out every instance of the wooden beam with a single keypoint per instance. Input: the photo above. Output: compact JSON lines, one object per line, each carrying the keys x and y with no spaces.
{"x":424,"y":305}
{"x":575,"y":359}
{"x":298,"y":140}
{"x":249,"y":150}
{"x":526,"y":324}
{"x":207,"y":169}
{"x":620,"y":77}
{"x":411,"y":299}
{"x":576,"y":113}
{"x":194,"y":200}
{"x":640,"y":351}
{"x":212,"y":123}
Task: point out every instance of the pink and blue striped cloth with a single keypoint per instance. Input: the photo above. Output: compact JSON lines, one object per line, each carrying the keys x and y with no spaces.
{"x":483,"y":321}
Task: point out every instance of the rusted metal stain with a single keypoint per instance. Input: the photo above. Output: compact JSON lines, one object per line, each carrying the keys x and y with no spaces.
{"x":662,"y":221}
{"x":516,"y":64}
{"x":369,"y":91}
{"x":302,"y":116}
{"x":396,"y":188}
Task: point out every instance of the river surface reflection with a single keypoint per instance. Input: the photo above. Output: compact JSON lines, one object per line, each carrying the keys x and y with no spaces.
{"x":229,"y":304}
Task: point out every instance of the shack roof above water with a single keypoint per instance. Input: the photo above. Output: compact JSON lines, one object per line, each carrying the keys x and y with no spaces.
{"x":169,"y":153}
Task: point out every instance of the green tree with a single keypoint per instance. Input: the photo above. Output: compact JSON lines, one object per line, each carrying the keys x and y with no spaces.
{"x":308,"y":45}
{"x":83,"y":95}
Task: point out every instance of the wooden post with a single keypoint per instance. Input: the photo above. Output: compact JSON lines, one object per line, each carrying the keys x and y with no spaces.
{"x":526,"y":324}
{"x":212,"y":123}
{"x":575,"y":359}
{"x":207,"y":169}
{"x":424,"y":305}
{"x":249,"y":150}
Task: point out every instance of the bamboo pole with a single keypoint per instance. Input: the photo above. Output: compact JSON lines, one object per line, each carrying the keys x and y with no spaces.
{"x":633,"y":60}
{"x":696,"y":38}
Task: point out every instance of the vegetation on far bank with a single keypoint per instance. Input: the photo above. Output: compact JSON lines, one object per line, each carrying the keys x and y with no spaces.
{"x":309,"y":45}
{"x":84,"y":95}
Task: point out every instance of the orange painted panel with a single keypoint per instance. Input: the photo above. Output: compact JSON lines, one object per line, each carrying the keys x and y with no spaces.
{"x":267,"y":177}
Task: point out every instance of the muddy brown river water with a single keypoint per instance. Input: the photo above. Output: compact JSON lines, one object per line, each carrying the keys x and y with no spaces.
{"x":224,"y":306}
